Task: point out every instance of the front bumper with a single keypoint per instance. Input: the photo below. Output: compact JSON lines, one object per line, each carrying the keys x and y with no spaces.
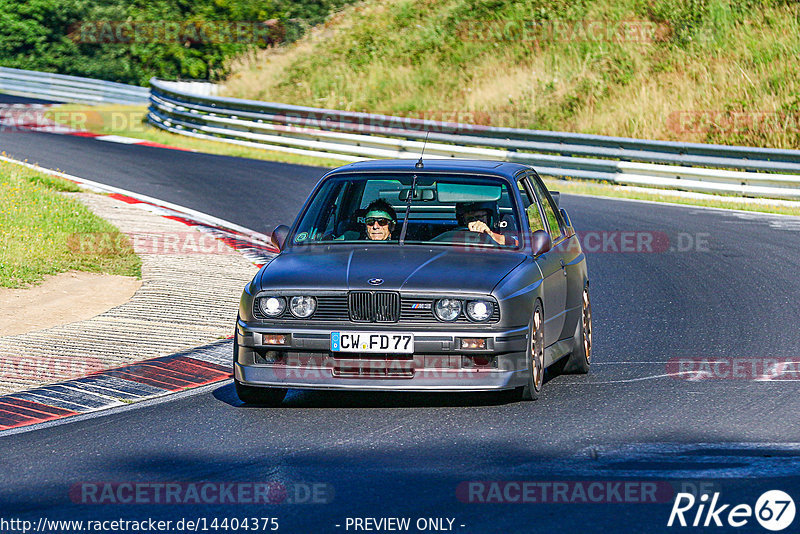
{"x":437,"y":364}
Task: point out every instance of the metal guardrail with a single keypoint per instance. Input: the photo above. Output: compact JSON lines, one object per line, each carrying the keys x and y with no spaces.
{"x":62,"y":88}
{"x":352,"y":136}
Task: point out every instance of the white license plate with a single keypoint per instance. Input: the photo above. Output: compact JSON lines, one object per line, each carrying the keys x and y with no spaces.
{"x":372,"y":342}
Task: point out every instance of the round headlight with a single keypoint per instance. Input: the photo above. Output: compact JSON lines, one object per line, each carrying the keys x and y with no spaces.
{"x":448,"y":309}
{"x":272,"y":306}
{"x":479,"y":310}
{"x":302,"y":306}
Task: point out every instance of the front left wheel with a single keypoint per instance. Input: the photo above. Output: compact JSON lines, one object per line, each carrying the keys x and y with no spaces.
{"x":535,"y":355}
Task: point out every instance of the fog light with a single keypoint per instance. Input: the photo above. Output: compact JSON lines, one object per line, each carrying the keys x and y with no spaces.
{"x":477,"y":343}
{"x":273,"y":339}
{"x":469,"y":362}
{"x":270,"y":356}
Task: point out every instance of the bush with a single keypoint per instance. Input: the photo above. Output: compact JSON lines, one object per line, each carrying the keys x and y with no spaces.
{"x":51,"y":35}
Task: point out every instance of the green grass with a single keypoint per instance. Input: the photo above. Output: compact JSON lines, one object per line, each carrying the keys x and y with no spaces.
{"x":42,"y":229}
{"x":128,"y":121}
{"x":682,"y":70}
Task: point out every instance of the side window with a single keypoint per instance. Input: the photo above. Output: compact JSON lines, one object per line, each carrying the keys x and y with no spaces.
{"x":531,"y":209}
{"x":553,"y":220}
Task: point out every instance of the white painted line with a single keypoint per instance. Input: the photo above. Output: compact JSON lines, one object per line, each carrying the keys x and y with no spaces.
{"x":119,"y":139}
{"x":626,"y":380}
{"x":179,"y":210}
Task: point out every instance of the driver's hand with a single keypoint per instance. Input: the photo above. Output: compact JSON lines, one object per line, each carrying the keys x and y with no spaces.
{"x":478,"y":226}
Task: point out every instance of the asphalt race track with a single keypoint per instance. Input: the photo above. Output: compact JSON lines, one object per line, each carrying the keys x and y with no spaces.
{"x":720,"y":285}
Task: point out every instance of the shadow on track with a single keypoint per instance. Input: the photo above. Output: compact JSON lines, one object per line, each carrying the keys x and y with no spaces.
{"x":373,"y":399}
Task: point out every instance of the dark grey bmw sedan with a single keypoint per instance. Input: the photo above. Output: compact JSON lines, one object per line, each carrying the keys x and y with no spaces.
{"x":402,"y":275}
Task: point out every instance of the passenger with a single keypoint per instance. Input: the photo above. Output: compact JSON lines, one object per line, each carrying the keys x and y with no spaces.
{"x":380,"y":220}
{"x":481,"y":217}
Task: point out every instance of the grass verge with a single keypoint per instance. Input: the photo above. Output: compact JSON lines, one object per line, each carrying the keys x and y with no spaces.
{"x":40,"y":228}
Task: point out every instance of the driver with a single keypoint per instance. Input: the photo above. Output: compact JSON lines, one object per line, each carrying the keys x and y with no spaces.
{"x":479,"y":217}
{"x":380,"y":220}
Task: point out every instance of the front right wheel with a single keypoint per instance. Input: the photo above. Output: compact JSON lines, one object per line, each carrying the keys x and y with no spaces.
{"x":259,"y":396}
{"x":581,"y":358}
{"x":255,"y":395}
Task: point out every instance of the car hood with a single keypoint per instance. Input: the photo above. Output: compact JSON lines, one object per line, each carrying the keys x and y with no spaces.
{"x":407,"y":268}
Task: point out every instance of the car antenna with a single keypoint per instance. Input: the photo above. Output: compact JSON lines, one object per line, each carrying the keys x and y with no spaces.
{"x":410,"y":196}
{"x":419,"y":164}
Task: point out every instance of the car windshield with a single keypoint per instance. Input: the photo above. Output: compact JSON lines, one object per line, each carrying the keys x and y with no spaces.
{"x":443,"y":210}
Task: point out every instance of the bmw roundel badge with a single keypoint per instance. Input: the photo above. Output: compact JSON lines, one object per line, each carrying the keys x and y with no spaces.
{"x":375,"y":281}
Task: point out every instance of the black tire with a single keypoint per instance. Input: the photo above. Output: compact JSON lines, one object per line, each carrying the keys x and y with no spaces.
{"x":258,"y":396}
{"x":534,"y":355}
{"x":581,"y":358}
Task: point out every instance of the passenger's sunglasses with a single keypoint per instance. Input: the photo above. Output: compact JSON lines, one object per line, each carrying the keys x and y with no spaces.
{"x":380,"y":220}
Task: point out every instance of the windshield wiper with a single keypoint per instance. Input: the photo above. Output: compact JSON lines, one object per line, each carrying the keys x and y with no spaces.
{"x":408,"y":209}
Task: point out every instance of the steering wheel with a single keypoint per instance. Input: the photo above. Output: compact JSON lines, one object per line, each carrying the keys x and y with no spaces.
{"x":468,"y":237}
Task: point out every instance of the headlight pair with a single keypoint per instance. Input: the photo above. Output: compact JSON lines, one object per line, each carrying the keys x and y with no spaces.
{"x":301,"y":306}
{"x":449,"y":309}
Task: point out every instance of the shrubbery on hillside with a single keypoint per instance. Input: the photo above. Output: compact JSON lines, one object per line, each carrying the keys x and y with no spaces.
{"x":696,"y":70}
{"x":97,"y":38}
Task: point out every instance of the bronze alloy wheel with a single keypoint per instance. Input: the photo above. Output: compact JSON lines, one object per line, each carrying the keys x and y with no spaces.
{"x":535,"y":357}
{"x":537,"y":352}
{"x":587,"y":325}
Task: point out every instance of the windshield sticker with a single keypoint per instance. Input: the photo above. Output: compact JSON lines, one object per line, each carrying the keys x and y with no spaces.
{"x":302,"y":236}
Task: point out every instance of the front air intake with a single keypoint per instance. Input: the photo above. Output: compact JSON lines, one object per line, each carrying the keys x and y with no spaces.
{"x":374,"y":306}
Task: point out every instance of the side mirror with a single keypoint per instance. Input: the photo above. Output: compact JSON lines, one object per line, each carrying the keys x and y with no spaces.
{"x":556,"y":196}
{"x":279,"y":235}
{"x":541,"y":242}
{"x":567,"y":221}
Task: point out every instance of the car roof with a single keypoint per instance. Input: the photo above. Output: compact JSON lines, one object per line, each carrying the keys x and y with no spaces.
{"x":448,"y":165}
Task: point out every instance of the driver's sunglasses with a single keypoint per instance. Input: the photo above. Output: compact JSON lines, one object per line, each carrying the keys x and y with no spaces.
{"x":472,"y":217}
{"x":380,"y":220}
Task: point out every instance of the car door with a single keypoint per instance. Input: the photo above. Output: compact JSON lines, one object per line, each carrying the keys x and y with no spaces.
{"x":554,"y":285}
{"x":570,"y":256}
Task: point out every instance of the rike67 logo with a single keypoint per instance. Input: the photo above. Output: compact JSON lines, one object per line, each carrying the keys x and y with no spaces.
{"x":774,"y":510}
